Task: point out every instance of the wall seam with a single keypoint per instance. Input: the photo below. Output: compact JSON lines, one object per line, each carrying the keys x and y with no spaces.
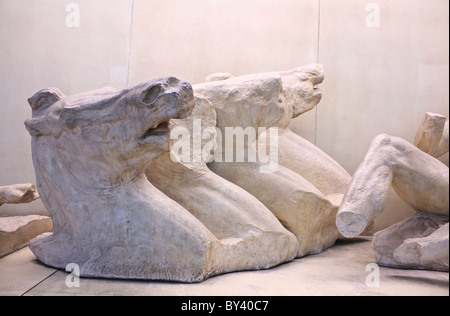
{"x":130,"y":42}
{"x":318,"y":61}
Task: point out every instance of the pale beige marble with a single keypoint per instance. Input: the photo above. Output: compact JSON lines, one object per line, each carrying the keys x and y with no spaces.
{"x":425,"y":250}
{"x":301,"y":94}
{"x":272,"y":99}
{"x":432,"y":135}
{"x":419,"y":242}
{"x":90,"y":153}
{"x":17,"y":231}
{"x":18,"y":193}
{"x":254,"y":236}
{"x":420,"y":180}
{"x":218,"y":76}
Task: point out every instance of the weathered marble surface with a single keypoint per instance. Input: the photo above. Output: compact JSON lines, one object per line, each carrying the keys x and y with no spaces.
{"x":273,"y":99}
{"x":420,"y":180}
{"x":18,"y":193}
{"x":254,"y":237}
{"x":301,"y":94}
{"x":218,"y":76}
{"x":90,"y":153}
{"x":17,"y":231}
{"x":419,"y":242}
{"x":432,"y":136}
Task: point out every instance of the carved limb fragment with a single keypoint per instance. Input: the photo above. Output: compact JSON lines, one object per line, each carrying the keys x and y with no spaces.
{"x":18,"y":193}
{"x":432,"y":135}
{"x":419,"y":179}
{"x":422,"y":251}
{"x":418,"y":242}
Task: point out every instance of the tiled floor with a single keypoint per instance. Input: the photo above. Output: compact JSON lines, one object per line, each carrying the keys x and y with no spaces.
{"x":340,"y":270}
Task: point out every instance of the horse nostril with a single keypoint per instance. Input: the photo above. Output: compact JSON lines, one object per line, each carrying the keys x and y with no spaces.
{"x":318,"y":79}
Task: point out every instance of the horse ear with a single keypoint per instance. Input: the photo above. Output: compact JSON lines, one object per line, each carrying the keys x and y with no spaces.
{"x":39,"y":125}
{"x":45,"y":98}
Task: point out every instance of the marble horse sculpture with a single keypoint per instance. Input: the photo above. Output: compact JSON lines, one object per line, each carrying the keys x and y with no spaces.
{"x":305,"y":189}
{"x":123,"y":207}
{"x":233,"y":215}
{"x":91,"y":152}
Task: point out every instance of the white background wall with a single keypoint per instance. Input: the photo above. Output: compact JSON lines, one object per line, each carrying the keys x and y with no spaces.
{"x":380,"y":78}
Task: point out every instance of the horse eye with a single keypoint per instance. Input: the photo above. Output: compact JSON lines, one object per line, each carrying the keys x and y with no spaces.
{"x":151,"y":94}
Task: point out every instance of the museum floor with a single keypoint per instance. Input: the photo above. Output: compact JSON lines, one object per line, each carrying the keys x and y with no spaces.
{"x":340,"y":270}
